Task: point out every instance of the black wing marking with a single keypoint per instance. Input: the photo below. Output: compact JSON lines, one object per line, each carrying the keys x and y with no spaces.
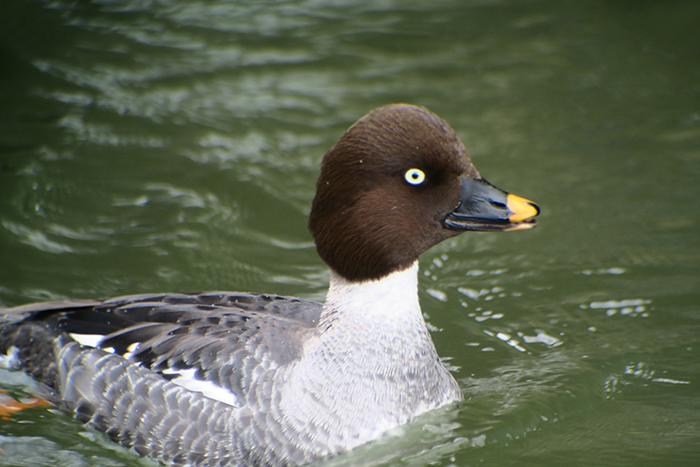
{"x":222,"y":336}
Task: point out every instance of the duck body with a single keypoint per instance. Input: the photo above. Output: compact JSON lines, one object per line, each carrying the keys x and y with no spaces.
{"x":221,"y":378}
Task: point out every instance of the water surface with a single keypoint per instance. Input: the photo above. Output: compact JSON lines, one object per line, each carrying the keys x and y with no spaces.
{"x":174,"y":146}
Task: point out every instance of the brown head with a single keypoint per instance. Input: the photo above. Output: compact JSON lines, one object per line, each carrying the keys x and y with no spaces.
{"x":392,"y":187}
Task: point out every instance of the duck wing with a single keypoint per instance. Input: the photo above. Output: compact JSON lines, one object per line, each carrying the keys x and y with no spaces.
{"x":202,"y":341}
{"x":184,"y":378}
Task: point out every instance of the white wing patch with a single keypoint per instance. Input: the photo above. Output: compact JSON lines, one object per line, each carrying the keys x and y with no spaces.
{"x":10,"y":361}
{"x":90,"y":340}
{"x":95,"y":340}
{"x":131,"y":350}
{"x":184,"y":378}
{"x":188,"y":380}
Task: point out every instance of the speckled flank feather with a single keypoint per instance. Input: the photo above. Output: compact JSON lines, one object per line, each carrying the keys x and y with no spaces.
{"x":142,"y":410}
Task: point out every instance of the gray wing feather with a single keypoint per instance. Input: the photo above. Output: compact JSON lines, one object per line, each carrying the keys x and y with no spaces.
{"x":137,"y":407}
{"x":232,"y":340}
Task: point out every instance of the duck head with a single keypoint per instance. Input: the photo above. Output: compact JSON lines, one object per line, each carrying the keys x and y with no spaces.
{"x":396,"y":183}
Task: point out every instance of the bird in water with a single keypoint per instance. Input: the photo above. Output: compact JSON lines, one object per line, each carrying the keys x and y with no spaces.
{"x":243,"y":379}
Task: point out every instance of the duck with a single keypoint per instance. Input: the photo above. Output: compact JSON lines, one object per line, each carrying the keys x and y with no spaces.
{"x":246,"y":379}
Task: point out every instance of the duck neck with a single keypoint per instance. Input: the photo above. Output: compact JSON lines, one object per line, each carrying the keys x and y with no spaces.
{"x":385,"y":306}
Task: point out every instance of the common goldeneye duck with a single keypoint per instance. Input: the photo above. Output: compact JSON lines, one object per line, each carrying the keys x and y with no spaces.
{"x":222,"y":378}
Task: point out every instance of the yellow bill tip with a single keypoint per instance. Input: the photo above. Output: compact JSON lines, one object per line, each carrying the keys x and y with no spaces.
{"x":521,"y":209}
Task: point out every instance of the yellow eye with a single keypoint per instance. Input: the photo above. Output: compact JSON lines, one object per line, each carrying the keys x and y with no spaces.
{"x":415,"y":176}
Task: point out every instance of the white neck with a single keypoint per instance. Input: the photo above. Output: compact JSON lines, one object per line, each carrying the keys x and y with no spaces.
{"x":391,"y":301}
{"x":370,"y":361}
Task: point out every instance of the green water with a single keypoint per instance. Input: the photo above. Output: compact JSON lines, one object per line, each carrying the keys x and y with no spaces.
{"x":174,"y":146}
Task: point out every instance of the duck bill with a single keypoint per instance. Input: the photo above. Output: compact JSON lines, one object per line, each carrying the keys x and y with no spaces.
{"x":483,"y":207}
